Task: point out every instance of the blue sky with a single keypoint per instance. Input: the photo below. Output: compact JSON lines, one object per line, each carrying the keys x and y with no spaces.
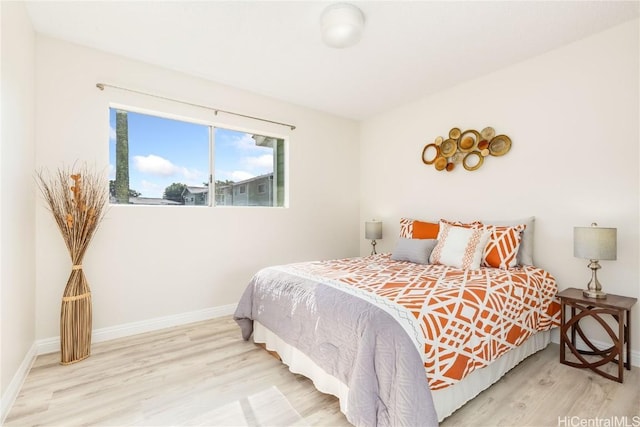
{"x":163,"y":151}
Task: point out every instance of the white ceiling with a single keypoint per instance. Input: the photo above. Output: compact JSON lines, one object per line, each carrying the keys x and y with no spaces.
{"x":409,"y":49}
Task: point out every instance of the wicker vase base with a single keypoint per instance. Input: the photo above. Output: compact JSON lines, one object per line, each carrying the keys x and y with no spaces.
{"x":75,"y":328}
{"x":75,"y":360}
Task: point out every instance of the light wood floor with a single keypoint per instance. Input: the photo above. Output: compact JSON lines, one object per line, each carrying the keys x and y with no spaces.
{"x":204,"y":374}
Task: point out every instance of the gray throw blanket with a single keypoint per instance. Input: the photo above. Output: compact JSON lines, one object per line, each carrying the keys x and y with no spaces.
{"x":351,"y":339}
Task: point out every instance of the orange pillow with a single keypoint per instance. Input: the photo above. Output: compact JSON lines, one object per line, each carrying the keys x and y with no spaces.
{"x":425,"y":230}
{"x":413,"y":229}
{"x":502,"y":249}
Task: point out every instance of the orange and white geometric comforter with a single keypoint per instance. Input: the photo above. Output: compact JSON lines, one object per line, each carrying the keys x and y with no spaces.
{"x":460,"y":320}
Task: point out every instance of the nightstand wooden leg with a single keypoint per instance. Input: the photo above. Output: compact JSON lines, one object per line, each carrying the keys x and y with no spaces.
{"x":620,"y":345}
{"x":627,"y":336}
{"x":563,"y":333}
{"x":573,"y":328}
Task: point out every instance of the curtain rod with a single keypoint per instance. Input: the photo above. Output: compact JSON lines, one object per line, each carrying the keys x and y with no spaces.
{"x":101,"y":86}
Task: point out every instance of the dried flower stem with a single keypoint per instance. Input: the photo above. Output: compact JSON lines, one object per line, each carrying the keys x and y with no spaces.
{"x":78,"y":203}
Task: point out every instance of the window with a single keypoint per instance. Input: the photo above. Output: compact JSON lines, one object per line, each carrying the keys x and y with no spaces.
{"x":244,"y":162}
{"x":160,"y":161}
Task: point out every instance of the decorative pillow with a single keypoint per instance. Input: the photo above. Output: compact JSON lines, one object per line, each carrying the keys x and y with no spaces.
{"x":406,"y":228}
{"x":525,"y":253}
{"x":474,"y":224}
{"x":413,"y":250}
{"x":460,"y":247}
{"x":425,"y":230}
{"x":414,"y":229}
{"x":502,"y":249}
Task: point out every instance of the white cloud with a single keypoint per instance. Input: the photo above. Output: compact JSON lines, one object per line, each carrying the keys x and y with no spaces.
{"x":250,"y":168}
{"x":193,"y":176}
{"x":245,"y":142}
{"x":150,"y":189}
{"x":112,"y":172}
{"x":234,"y":175}
{"x":155,"y":165}
{"x":166,"y":172}
{"x":159,"y":166}
{"x":263,"y":164}
{"x":112,"y":133}
{"x":240,"y":175}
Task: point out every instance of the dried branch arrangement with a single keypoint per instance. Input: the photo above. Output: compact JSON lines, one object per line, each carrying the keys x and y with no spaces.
{"x":78,"y":204}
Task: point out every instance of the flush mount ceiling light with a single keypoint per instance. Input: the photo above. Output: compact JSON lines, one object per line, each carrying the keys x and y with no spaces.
{"x":342,"y":25}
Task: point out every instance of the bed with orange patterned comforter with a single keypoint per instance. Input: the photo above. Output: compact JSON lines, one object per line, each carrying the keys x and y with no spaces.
{"x":454,"y":322}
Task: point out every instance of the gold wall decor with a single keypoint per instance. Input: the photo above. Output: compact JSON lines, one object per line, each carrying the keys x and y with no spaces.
{"x":468,"y":148}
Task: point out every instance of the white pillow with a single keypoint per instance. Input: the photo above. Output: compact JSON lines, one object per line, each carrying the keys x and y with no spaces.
{"x":460,"y":247}
{"x":413,"y":250}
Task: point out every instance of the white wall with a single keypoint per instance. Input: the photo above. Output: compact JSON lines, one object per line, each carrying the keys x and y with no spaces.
{"x":572,"y":114}
{"x":136,"y":264}
{"x":573,"y":117}
{"x":17,"y":265}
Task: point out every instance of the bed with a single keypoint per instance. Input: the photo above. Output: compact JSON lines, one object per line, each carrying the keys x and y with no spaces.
{"x":406,"y":338}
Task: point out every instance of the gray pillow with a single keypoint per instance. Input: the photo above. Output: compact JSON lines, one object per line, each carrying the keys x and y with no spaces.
{"x":413,"y":250}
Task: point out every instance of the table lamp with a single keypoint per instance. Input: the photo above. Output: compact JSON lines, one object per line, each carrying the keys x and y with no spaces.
{"x":594,"y":243}
{"x":373,"y":232}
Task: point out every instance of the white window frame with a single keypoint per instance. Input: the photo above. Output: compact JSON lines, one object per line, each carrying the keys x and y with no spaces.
{"x":212,"y":125}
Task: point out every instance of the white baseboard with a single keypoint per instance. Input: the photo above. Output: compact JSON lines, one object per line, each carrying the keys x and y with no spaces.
{"x":50,"y":345}
{"x":12,"y":391}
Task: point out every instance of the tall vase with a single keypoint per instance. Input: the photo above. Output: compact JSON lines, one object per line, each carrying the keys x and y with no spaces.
{"x":75,"y":318}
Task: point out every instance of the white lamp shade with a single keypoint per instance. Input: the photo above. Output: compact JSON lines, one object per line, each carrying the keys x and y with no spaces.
{"x":342,"y":25}
{"x":597,"y":243}
{"x":373,"y":230}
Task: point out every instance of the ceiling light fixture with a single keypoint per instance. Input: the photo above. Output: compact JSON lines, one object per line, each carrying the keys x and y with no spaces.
{"x":342,"y":25}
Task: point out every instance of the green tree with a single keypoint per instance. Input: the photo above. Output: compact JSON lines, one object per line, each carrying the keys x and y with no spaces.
{"x":122,"y":157}
{"x":174,"y":192}
{"x":112,"y":190}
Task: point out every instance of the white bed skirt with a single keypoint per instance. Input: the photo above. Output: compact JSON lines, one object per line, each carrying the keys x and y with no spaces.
{"x":446,"y":400}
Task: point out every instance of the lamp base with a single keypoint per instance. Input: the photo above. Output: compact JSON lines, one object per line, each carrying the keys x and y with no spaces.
{"x":594,"y":294}
{"x":594,"y":288}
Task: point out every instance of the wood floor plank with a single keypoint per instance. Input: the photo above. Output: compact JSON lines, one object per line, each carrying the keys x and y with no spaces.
{"x":205,"y":374}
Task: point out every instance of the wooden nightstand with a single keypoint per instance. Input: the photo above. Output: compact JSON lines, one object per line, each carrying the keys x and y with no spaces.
{"x":618,"y":307}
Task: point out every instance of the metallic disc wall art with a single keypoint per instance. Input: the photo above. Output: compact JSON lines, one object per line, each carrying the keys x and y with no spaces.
{"x":468,"y":148}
